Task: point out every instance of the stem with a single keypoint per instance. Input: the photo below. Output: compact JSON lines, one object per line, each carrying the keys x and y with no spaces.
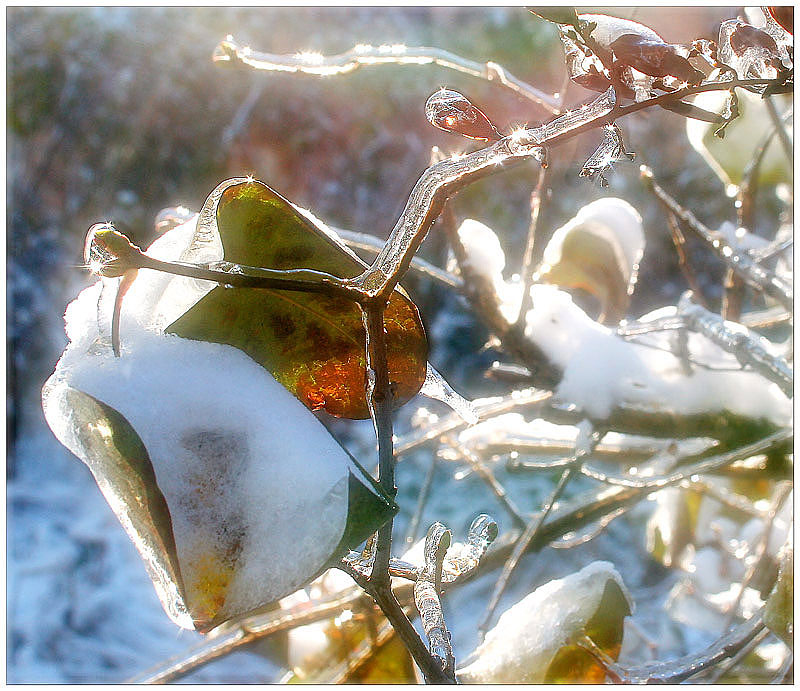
{"x":527,"y":258}
{"x":303,"y":280}
{"x":379,"y":398}
{"x":783,"y":136}
{"x":522,"y":544}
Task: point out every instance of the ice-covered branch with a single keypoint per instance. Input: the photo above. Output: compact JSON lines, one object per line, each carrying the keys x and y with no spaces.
{"x":366,"y":55}
{"x":747,"y":348}
{"x":428,"y":195}
{"x":740,"y":262}
{"x":426,"y":597}
{"x":676,"y":671}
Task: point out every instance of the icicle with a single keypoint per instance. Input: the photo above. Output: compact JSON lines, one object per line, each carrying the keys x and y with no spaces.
{"x":452,"y":112}
{"x":436,"y":387}
{"x":611,"y":150}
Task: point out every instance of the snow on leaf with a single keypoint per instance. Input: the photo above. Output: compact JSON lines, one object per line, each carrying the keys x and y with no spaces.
{"x":312,"y":343}
{"x":452,"y":112}
{"x":533,"y":641}
{"x":257,"y":494}
{"x":598,"y":251}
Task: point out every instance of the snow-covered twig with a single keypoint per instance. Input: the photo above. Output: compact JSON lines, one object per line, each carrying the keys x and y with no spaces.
{"x":747,"y":348}
{"x":426,"y":597}
{"x":367,"y":55}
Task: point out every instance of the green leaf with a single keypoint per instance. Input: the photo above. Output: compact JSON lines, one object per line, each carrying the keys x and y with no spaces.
{"x":119,"y":461}
{"x":368,"y":508}
{"x":313,"y":344}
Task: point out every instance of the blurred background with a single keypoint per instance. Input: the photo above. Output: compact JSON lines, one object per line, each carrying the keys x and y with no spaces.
{"x":116,"y":113}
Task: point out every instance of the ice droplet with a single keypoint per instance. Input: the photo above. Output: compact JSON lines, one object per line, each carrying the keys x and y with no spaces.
{"x":453,"y":112}
{"x":96,"y":252}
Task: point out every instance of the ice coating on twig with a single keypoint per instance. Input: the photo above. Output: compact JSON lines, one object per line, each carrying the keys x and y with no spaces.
{"x":482,"y":533}
{"x":364,"y":55}
{"x":426,"y":596}
{"x":438,"y":178}
{"x":750,"y":271}
{"x":749,"y":349}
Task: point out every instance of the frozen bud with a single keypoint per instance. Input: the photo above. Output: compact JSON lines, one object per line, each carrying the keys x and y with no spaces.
{"x":453,"y":112}
{"x":534,"y":640}
{"x":107,"y":252}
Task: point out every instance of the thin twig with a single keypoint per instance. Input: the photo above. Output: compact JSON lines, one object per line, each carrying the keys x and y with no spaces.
{"x":533,"y":528}
{"x":676,"y":671}
{"x":422,"y":499}
{"x":722,"y":670}
{"x":367,"y":55}
{"x":783,"y":135}
{"x":480,"y":469}
{"x":760,"y":550}
{"x":679,"y":241}
{"x":521,"y":546}
{"x":706,"y":465}
{"x":372,"y":244}
{"x":527,"y":257}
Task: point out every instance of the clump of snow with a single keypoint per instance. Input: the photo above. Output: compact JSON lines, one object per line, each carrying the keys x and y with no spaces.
{"x":603,"y":370}
{"x":485,"y":256}
{"x":256,"y":487}
{"x":520,"y":648}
